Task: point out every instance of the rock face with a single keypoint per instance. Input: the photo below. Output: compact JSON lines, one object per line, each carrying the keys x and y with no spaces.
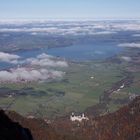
{"x":121,"y":125}
{"x":10,"y":130}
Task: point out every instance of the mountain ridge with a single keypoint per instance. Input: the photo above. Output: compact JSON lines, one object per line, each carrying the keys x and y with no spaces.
{"x":120,"y":125}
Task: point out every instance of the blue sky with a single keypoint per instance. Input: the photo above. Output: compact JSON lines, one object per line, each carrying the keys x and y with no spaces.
{"x":98,"y":9}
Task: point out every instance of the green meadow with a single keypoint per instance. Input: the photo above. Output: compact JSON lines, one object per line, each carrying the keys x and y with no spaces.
{"x":81,"y":87}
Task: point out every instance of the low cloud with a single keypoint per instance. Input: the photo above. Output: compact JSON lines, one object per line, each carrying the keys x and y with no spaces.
{"x":72,"y":28}
{"x":136,"y":35}
{"x":126,"y":58}
{"x":29,"y":75}
{"x":104,"y":33}
{"x":130,"y":45}
{"x":9,"y":58}
{"x":45,"y":60}
{"x":67,"y":30}
{"x":40,"y":68}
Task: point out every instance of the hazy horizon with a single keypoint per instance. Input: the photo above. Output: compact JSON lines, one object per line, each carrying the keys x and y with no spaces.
{"x":73,"y":9}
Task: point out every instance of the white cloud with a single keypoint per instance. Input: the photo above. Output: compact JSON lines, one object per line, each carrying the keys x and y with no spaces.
{"x":44,"y":55}
{"x":136,"y":35}
{"x":10,"y":58}
{"x":104,"y":33}
{"x":126,"y":58}
{"x":29,"y":74}
{"x":45,"y":60}
{"x":73,"y":28}
{"x":39,"y":68}
{"x":130,"y":45}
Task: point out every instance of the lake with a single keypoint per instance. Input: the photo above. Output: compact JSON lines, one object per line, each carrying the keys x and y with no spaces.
{"x":85,"y":52}
{"x":79,"y":52}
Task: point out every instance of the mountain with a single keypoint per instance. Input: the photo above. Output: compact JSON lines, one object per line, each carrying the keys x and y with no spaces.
{"x":10,"y":130}
{"x":123,"y":124}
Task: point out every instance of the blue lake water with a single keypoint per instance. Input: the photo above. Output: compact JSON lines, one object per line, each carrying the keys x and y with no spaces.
{"x":84,"y":52}
{"x":81,"y":52}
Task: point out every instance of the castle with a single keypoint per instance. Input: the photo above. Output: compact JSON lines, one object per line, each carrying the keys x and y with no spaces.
{"x":79,"y":118}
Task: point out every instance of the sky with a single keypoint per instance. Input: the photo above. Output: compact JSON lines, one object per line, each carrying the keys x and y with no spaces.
{"x":69,"y":9}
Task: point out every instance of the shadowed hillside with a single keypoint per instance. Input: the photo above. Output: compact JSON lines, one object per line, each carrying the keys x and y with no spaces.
{"x":10,"y":130}
{"x":121,"y":125}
